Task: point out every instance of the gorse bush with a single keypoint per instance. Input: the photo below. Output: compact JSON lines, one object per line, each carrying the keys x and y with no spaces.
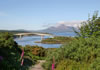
{"x":34,"y":52}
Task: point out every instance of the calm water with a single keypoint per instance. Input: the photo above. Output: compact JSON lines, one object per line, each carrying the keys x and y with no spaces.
{"x":72,"y":34}
{"x":30,"y":40}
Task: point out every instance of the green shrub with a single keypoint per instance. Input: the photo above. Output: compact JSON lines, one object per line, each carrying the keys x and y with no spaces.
{"x":10,"y":52}
{"x":82,"y":51}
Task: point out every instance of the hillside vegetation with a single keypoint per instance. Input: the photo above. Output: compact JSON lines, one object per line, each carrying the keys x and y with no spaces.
{"x":10,"y":54}
{"x":83,"y":53}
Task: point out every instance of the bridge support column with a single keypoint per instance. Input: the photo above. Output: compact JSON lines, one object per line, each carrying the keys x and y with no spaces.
{"x":42,"y":37}
{"x":20,"y":36}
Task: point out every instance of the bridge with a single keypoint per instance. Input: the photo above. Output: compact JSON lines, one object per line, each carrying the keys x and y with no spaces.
{"x":33,"y":34}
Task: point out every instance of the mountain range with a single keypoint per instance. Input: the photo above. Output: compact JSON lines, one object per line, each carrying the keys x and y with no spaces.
{"x":59,"y":29}
{"x":53,"y":29}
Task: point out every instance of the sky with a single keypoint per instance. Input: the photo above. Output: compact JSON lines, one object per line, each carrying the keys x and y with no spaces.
{"x":40,"y":14}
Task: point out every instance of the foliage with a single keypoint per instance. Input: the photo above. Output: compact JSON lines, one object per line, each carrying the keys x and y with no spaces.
{"x":91,"y":27}
{"x":10,"y":52}
{"x":82,"y":52}
{"x":71,"y":65}
{"x":53,"y":52}
{"x":34,"y":50}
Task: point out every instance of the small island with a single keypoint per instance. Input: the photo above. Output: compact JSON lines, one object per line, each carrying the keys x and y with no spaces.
{"x":56,"y":40}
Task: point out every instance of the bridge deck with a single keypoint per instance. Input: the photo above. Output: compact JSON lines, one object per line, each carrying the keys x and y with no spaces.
{"x":40,"y":34}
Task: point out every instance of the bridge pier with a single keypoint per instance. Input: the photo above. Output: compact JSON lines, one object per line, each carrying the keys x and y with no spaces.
{"x":42,"y":37}
{"x":20,"y":36}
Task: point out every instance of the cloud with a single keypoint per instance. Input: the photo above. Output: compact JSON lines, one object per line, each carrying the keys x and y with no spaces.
{"x":3,"y":14}
{"x":73,"y":23}
{"x":48,"y":24}
{"x":70,"y":23}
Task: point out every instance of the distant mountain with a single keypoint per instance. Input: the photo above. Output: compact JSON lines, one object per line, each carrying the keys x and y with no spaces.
{"x":21,"y":31}
{"x":57,"y":29}
{"x":15,"y":31}
{"x":60,"y":28}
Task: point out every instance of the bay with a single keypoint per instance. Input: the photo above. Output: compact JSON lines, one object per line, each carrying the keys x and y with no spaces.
{"x":30,"y":40}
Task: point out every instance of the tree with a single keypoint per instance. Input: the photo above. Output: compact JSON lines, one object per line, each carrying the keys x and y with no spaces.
{"x":90,"y":28}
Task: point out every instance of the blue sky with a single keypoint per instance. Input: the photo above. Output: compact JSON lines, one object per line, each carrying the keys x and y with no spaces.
{"x":40,"y":14}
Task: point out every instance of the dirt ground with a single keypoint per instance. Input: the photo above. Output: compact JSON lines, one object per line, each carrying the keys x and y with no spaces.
{"x":38,"y":66}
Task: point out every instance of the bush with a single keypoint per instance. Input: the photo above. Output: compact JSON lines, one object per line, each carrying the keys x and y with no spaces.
{"x":82,"y":52}
{"x":10,"y":52}
{"x":90,"y":28}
